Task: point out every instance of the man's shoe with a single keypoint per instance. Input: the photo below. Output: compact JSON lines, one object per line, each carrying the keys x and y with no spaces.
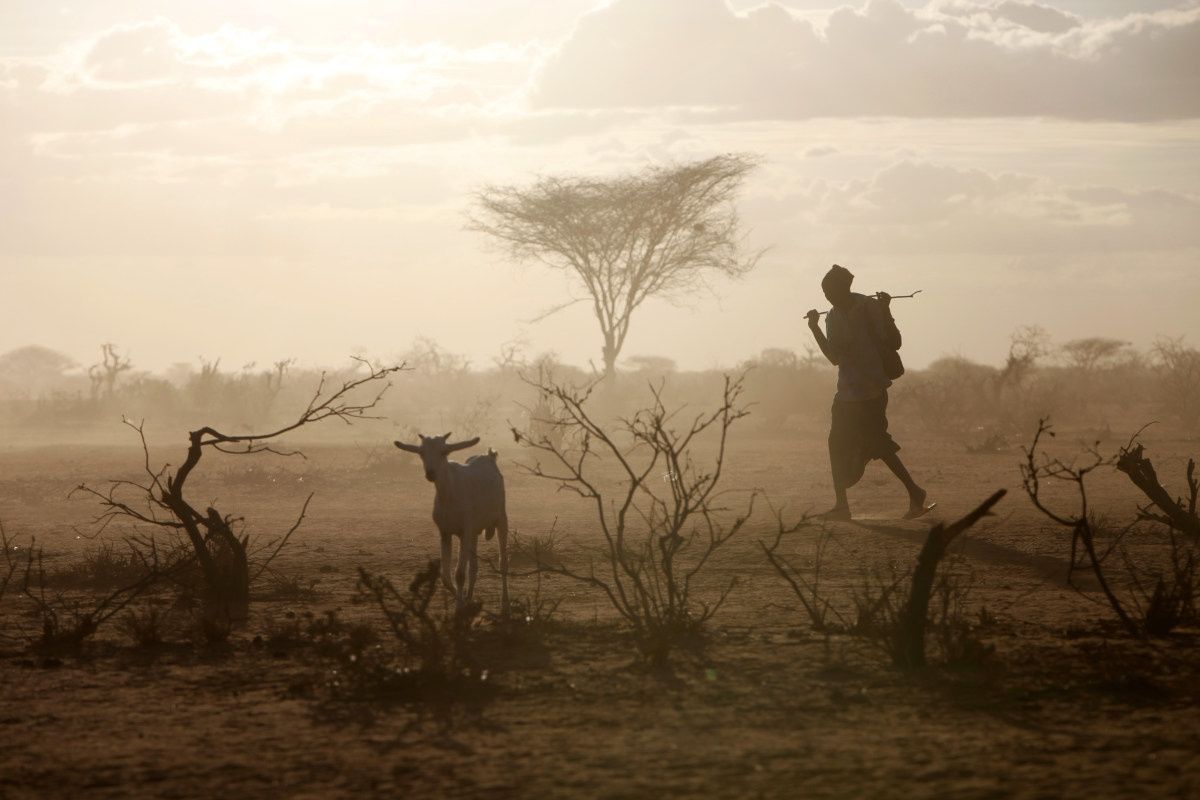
{"x":917,"y":507}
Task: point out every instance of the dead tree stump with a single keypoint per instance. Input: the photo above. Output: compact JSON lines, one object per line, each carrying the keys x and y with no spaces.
{"x":909,"y":650}
{"x":1174,"y":512}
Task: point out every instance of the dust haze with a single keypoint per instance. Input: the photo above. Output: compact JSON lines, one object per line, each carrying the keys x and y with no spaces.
{"x":278,"y":279}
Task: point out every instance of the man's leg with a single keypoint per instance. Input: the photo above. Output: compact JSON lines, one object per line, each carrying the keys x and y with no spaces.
{"x":900,"y":471}
{"x":841,"y":505}
{"x":916,"y":495}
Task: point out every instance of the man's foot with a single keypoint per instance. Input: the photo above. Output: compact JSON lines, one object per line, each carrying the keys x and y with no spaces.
{"x":837,"y":513}
{"x":917,"y":507}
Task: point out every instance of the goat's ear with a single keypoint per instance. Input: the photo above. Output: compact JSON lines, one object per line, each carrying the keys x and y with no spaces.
{"x":450,"y":448}
{"x":408,"y":448}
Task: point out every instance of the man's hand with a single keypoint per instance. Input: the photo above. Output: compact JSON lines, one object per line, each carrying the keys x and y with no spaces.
{"x":884,"y":298}
{"x":814,"y":318}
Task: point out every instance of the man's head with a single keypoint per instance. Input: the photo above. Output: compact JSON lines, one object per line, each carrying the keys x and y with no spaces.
{"x":836,"y":285}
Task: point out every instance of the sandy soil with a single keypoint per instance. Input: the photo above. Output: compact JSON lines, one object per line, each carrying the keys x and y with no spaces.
{"x":1068,"y":706}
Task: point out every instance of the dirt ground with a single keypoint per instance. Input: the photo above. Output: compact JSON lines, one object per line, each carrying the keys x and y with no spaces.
{"x":1068,"y":706}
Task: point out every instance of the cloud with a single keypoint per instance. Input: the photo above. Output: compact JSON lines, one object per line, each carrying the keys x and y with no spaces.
{"x":953,"y":58}
{"x":1042,"y":19}
{"x":150,"y":100}
{"x":923,"y":207}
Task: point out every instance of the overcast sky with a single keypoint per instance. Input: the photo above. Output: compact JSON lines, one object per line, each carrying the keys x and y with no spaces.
{"x":199,"y":179}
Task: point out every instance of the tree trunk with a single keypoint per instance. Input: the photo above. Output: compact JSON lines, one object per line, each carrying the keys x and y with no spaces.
{"x":610,"y":357}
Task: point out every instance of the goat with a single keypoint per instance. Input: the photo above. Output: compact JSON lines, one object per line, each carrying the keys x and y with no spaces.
{"x":468,"y":499}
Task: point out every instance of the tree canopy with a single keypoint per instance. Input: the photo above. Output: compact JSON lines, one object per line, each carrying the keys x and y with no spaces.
{"x":659,"y":232}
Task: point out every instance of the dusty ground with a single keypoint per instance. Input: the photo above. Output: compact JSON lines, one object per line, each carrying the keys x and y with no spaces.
{"x":1068,"y":706}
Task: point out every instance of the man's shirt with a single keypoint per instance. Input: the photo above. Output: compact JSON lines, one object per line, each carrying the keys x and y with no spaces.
{"x":860,"y":369}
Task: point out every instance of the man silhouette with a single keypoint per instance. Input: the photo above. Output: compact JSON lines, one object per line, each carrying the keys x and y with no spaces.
{"x":855,"y":330}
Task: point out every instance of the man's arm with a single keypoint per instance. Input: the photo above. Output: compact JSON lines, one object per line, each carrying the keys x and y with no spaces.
{"x":814,"y":325}
{"x":885,"y":325}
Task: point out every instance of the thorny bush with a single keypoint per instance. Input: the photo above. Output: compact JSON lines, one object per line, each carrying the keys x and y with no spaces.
{"x":662,"y":523}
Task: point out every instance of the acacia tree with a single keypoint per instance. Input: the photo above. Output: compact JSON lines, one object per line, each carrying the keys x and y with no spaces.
{"x":1093,"y":352}
{"x":33,"y":369}
{"x":659,"y":232}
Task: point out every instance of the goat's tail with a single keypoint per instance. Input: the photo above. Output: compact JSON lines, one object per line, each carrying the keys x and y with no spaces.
{"x":492,"y":454}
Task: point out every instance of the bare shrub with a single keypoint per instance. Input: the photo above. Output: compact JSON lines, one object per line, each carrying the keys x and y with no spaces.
{"x":877,"y":602}
{"x":954,"y":632}
{"x":884,"y":615}
{"x":532,"y":613}
{"x":146,"y":625}
{"x":1038,"y":468}
{"x":159,"y":505}
{"x":806,"y":588}
{"x":661,"y":522}
{"x":66,"y":622}
{"x":1167,"y":598}
{"x":1162,"y":598}
{"x":895,"y":611}
{"x":430,"y":661}
{"x":105,"y":567}
{"x":909,"y":650}
{"x":330,"y":635}
{"x":528,"y":550}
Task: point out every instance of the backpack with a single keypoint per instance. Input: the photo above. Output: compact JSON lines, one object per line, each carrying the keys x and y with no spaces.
{"x":893,"y":366}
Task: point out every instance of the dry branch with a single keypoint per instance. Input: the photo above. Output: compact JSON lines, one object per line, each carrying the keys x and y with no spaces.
{"x":909,"y":650}
{"x":808,"y":592}
{"x":1170,"y":600}
{"x":1037,"y":468}
{"x":1174,"y":512}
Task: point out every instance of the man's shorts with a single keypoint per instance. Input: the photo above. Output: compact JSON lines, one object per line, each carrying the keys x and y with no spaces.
{"x":858,"y":434}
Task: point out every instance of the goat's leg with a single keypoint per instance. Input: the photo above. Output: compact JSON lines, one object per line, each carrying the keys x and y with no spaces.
{"x":503,"y":530}
{"x":447,"y":542}
{"x":472,"y":566}
{"x":460,"y":574}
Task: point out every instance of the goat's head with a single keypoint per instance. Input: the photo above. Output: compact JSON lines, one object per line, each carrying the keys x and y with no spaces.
{"x":433,"y":451}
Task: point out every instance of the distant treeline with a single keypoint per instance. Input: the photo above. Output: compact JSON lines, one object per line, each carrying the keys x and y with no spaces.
{"x":1096,"y":382}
